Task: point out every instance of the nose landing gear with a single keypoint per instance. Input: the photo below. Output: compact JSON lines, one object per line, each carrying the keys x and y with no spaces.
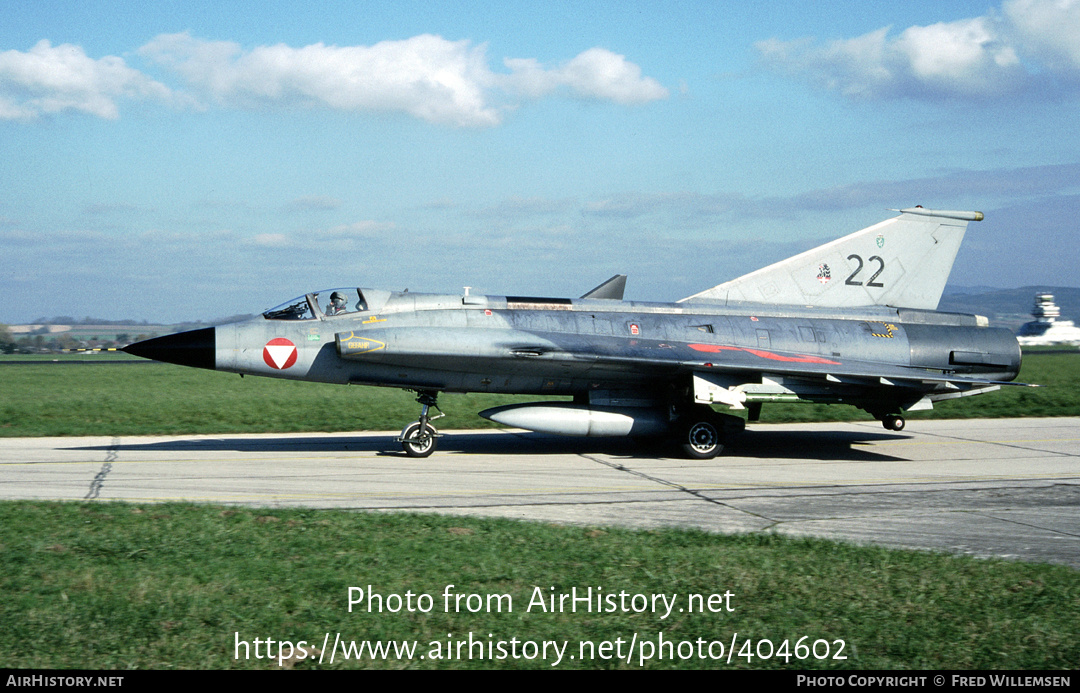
{"x":418,"y":438}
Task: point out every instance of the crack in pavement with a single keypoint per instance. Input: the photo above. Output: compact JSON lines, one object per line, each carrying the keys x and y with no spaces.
{"x":678,"y":487}
{"x":106,"y":467}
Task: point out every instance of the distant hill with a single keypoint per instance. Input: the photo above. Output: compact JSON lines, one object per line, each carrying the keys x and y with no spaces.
{"x":1008,"y":307}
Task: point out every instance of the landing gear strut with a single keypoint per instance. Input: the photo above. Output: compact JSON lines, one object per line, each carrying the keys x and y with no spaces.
{"x":418,"y":438}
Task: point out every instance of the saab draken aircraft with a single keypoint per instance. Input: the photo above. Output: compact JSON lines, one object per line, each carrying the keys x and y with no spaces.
{"x":853,"y":321}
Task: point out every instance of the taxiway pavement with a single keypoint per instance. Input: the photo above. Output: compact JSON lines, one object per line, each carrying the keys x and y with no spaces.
{"x":1000,"y":487}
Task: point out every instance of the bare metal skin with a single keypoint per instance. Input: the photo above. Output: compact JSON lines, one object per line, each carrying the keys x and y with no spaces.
{"x":852,"y":322}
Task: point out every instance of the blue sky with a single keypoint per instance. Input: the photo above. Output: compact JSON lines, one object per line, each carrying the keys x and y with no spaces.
{"x":180,"y":160}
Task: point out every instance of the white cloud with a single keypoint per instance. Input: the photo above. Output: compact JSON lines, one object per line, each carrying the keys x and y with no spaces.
{"x":1049,"y":30}
{"x":993,"y":56}
{"x":965,"y":58}
{"x":51,"y":79}
{"x":426,"y":76}
{"x":595,"y":73}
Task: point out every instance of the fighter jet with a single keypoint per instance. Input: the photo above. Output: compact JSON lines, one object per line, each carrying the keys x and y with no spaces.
{"x":853,"y":321}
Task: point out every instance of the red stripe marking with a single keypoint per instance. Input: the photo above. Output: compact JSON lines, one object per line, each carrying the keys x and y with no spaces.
{"x":800,"y":358}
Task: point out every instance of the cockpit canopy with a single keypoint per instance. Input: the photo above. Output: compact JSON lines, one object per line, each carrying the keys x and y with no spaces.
{"x":328,"y":303}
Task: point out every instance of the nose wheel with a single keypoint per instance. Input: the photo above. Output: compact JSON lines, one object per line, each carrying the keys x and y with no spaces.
{"x":418,"y":439}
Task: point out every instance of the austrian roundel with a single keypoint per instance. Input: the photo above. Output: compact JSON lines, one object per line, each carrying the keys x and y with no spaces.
{"x":279,"y":353}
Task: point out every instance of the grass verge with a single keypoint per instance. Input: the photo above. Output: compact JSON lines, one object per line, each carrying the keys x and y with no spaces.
{"x":115,"y":399}
{"x":118,"y":586}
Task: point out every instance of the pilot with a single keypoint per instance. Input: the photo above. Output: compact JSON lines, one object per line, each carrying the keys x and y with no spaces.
{"x":337,"y":303}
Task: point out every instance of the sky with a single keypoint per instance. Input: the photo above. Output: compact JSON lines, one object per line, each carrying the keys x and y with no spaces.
{"x":181,"y":161}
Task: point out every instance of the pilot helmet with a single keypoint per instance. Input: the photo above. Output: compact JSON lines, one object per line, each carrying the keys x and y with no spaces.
{"x":337,"y":296}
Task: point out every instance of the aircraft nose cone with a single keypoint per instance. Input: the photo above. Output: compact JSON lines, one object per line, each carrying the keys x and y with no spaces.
{"x":195,"y":348}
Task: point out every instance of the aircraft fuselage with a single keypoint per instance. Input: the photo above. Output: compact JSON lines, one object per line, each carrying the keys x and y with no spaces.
{"x":522,"y":345}
{"x":819,"y":327}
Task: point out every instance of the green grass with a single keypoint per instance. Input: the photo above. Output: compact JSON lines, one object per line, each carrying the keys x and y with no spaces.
{"x":113,"y":399}
{"x":148,"y":399}
{"x":117,"y":586}
{"x":111,"y":585}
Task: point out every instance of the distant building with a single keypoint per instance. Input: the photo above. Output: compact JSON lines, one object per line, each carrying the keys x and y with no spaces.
{"x":1047,"y":327}
{"x":39,"y":329}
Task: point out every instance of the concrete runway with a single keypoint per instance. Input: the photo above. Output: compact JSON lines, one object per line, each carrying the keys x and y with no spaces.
{"x":1008,"y":488}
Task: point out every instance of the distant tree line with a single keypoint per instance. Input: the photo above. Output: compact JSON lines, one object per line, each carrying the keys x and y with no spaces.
{"x":42,"y":342}
{"x":68,"y":320}
{"x":7,"y":341}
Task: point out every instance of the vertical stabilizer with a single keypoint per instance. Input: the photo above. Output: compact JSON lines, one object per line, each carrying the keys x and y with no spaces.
{"x":904,"y":262}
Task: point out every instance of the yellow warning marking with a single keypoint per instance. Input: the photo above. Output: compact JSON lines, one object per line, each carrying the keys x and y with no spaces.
{"x":889,"y":329}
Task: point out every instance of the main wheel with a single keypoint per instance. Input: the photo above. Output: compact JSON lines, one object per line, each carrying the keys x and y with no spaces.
{"x":702,"y":439}
{"x":417,"y":444}
{"x":893,"y":422}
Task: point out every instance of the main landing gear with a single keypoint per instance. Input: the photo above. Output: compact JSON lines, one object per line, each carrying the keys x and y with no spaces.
{"x":702,"y":434}
{"x":885,"y":412}
{"x":418,"y":438}
{"x":701,"y":439}
{"x":893,"y":422}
